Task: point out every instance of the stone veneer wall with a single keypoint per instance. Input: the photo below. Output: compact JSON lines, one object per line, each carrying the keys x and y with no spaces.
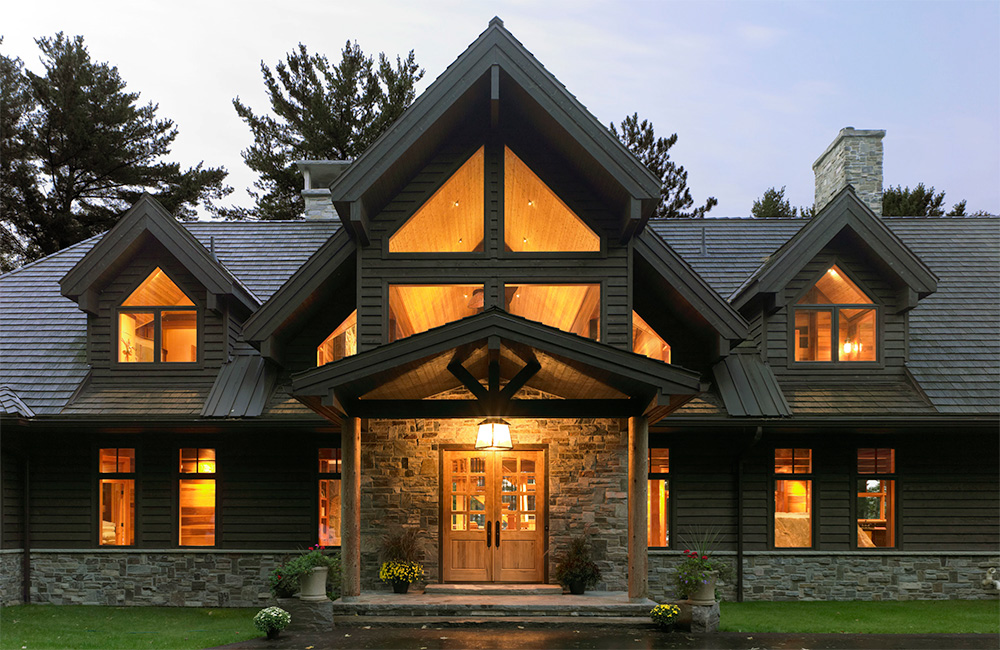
{"x":848,"y":575}
{"x":854,"y":158}
{"x":165,"y":577}
{"x":587,"y":483}
{"x":10,"y":577}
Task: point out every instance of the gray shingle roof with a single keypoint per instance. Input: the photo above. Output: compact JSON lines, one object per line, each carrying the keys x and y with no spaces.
{"x":954,"y":333}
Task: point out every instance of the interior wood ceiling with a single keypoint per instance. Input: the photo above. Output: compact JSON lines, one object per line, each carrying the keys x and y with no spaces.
{"x":157,"y":290}
{"x":835,"y":288}
{"x":569,"y":307}
{"x":417,"y":308}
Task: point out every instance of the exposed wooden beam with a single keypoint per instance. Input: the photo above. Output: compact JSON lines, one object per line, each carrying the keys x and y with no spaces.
{"x":359,"y":222}
{"x":518,"y":381}
{"x":540,"y":408}
{"x":88,"y":301}
{"x":470,"y":382}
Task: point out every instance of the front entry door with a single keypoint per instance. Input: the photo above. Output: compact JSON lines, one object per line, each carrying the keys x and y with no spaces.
{"x":493,"y":529}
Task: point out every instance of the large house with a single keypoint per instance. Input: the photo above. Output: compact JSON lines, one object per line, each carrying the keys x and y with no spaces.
{"x":478,"y":333}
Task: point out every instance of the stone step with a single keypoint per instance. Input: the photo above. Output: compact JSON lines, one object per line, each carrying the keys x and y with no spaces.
{"x":494,"y":590}
{"x":471,"y":605}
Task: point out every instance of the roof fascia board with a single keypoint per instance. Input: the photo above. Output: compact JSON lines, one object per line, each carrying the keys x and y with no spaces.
{"x":327,"y":260}
{"x":147,"y":216}
{"x":495,"y":323}
{"x":679,"y":275}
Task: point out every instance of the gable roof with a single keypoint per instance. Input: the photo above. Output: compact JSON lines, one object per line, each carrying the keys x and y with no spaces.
{"x":11,"y":404}
{"x":147,"y":218}
{"x":845,"y":211}
{"x":495,"y":74}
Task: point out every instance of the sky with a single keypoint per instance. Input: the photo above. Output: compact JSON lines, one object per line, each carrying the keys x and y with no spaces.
{"x":756,"y":91}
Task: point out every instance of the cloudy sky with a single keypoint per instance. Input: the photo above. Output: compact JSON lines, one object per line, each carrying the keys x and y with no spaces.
{"x":755,"y":90}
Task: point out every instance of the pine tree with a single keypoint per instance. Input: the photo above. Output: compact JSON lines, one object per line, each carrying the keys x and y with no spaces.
{"x":918,"y":202}
{"x":654,"y":153}
{"x":79,"y":150}
{"x":774,"y":204}
{"x":320,"y":112}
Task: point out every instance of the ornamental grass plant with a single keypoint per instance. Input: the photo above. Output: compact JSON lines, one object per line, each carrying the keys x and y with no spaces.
{"x":577,"y":566}
{"x":698,"y":564}
{"x":400,"y":555}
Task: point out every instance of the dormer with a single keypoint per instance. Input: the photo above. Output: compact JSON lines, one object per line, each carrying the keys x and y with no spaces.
{"x":156,"y":298}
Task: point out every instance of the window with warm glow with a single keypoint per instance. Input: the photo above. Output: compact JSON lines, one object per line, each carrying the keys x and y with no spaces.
{"x":197,"y":497}
{"x":535,"y":219}
{"x":451,"y":221}
{"x":329,"y":497}
{"x":658,"y":498}
{"x":342,"y":342}
{"x":117,"y":496}
{"x":574,"y":308}
{"x":793,"y":498}
{"x":647,"y":342}
{"x":835,"y":321}
{"x":415,"y":308}
{"x":156,"y":324}
{"x":876,"y":509}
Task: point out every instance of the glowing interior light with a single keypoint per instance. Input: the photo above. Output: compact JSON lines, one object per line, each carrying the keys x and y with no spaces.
{"x":494,"y":434}
{"x":833,"y":272}
{"x":206,"y":467}
{"x":530,"y":202}
{"x":456,"y":204}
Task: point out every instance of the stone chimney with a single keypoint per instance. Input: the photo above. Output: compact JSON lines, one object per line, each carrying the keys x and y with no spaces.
{"x":854,"y":158}
{"x":318,"y":176}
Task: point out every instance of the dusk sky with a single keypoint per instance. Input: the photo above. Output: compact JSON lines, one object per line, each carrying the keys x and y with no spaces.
{"x":755,"y":90}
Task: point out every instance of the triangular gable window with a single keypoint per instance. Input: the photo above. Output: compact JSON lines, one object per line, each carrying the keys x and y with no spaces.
{"x":647,"y":342}
{"x":836,"y":321}
{"x":535,"y":219}
{"x":157,"y":320}
{"x":451,"y":221}
{"x":343,"y":342}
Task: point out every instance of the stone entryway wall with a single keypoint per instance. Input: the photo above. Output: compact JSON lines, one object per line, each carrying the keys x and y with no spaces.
{"x":587,"y":483}
{"x":10,"y":576}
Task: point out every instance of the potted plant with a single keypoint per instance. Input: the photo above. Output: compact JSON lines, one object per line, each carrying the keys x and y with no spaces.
{"x":665,"y":616}
{"x":306,"y":573}
{"x":400,"y":556}
{"x":698,"y":573}
{"x":271,"y":621}
{"x":577,"y":569}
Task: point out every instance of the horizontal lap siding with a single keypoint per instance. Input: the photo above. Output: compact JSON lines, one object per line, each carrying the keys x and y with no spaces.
{"x":12,"y":506}
{"x":266,"y":489}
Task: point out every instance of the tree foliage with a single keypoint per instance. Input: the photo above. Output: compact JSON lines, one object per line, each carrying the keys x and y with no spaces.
{"x":320,"y":112}
{"x":654,"y":153}
{"x":919,"y":202}
{"x":78,"y":150}
{"x":774,"y":204}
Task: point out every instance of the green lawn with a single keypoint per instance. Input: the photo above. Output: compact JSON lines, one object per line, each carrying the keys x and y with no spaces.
{"x":864,"y":617}
{"x":37,"y":627}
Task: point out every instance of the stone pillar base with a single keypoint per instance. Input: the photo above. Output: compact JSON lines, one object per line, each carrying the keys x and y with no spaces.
{"x":705,"y":618}
{"x":308,"y":615}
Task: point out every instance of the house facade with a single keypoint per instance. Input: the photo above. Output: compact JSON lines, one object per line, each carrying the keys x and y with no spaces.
{"x":478,"y":333}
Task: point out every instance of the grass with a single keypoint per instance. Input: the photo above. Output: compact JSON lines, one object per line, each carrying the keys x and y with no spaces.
{"x":37,"y":627}
{"x":864,"y":617}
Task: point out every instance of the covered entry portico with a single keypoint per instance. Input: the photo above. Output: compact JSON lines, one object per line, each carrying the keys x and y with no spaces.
{"x":562,"y":393}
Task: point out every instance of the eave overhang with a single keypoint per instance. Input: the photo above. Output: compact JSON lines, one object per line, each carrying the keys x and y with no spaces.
{"x":584,"y":378}
{"x":496,"y":77}
{"x":845,"y":212}
{"x":144,"y":220}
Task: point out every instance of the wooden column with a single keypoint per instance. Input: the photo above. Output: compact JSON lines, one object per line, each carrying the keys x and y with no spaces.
{"x":638,"y":474}
{"x":350,"y":508}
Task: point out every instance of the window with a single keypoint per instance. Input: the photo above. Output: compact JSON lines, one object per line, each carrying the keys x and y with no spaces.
{"x":417,"y":308}
{"x":658,"y":497}
{"x":451,"y":221}
{"x":876,"y":507}
{"x":117,"y":494}
{"x":197,"y":497}
{"x":343,"y":342}
{"x":793,"y":498}
{"x":535,"y":219}
{"x":647,"y":342}
{"x":835,"y":322}
{"x":156,"y":323}
{"x":329,"y":497}
{"x":574,"y":308}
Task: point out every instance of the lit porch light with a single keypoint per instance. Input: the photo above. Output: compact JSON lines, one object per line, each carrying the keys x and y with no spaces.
{"x":494,"y":435}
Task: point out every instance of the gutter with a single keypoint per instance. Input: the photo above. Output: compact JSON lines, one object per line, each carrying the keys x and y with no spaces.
{"x":739,"y":510}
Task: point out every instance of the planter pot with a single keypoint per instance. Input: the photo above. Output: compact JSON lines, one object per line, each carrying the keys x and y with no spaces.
{"x":577,"y":587}
{"x":313,"y":584}
{"x":273,"y":634}
{"x":400,"y":586}
{"x":666,"y":627}
{"x":705,"y":593}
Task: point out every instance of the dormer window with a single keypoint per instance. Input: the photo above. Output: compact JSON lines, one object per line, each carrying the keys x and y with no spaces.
{"x":835,"y":321}
{"x":157,"y":323}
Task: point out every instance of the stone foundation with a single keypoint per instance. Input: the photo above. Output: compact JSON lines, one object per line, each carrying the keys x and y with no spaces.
{"x":847,"y":575}
{"x":165,"y":578}
{"x":587,"y":482}
{"x":10,"y":577}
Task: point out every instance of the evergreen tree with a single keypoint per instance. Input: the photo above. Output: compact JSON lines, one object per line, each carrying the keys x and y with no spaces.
{"x":78,"y":150}
{"x":918,"y":202}
{"x":17,"y":177}
{"x":320,"y":112}
{"x":774,"y":204}
{"x":654,"y":153}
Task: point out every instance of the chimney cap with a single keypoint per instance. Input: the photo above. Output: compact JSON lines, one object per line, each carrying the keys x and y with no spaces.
{"x":849,"y":132}
{"x":320,"y":174}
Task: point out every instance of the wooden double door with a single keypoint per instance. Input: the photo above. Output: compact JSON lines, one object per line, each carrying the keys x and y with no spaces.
{"x":493,"y":528}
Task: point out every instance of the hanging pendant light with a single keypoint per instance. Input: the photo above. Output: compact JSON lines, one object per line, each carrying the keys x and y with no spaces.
{"x":494,"y":435}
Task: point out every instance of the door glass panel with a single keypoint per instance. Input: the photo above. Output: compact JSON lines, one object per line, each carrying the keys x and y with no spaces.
{"x":527,"y":465}
{"x":509,"y":465}
{"x":508,"y":521}
{"x":477,"y":522}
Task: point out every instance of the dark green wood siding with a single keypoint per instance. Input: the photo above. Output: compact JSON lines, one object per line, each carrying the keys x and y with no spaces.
{"x":12,"y":504}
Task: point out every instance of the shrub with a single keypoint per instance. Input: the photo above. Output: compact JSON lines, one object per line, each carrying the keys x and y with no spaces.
{"x":578,"y":565}
{"x":665,"y":615}
{"x":271,"y":619}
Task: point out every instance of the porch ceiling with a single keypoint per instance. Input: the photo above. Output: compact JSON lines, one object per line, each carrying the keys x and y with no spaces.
{"x":495,"y":355}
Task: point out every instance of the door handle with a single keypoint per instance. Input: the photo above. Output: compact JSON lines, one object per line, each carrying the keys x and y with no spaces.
{"x":489,"y":526}
{"x":498,"y":533}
